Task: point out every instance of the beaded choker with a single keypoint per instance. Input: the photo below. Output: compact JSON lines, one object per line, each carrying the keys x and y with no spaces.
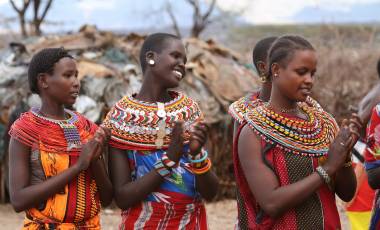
{"x":147,"y":126}
{"x":310,"y":137}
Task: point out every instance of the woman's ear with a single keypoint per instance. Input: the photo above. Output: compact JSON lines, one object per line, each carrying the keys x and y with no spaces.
{"x":150,"y":58}
{"x":42,"y":81}
{"x":275,"y":70}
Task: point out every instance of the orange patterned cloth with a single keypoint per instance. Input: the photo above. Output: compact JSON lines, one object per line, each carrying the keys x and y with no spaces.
{"x":77,"y":206}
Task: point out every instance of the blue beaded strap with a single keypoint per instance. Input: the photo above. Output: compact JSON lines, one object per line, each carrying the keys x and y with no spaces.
{"x":70,"y":131}
{"x":204,"y":157}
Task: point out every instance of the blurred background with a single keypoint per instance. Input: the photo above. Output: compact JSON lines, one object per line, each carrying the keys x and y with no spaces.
{"x":105,"y":37}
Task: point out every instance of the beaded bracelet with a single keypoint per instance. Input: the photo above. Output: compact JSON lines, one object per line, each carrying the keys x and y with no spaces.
{"x":167,"y":162}
{"x":200,"y":160}
{"x":161,"y":169}
{"x":323,"y":174}
{"x":203,"y":170}
{"x":202,"y":156}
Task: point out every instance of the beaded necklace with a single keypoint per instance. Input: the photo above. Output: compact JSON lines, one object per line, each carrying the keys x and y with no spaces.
{"x":145,"y":126}
{"x":70,"y":131}
{"x":310,"y":137}
{"x":241,"y":107}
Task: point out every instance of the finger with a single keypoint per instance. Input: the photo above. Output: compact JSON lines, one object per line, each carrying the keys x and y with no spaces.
{"x":344,"y":123}
{"x":106,"y":130}
{"x":200,"y":140}
{"x":199,"y":132}
{"x":355,"y":124}
{"x":202,"y":128}
{"x":356,"y":117}
{"x":199,"y":136}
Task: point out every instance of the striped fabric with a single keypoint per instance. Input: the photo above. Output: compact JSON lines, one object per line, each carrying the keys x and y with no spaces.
{"x":372,"y":159}
{"x":175,"y":205}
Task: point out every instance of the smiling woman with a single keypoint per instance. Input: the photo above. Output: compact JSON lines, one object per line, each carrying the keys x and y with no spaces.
{"x":159,"y":169}
{"x":57,"y":174}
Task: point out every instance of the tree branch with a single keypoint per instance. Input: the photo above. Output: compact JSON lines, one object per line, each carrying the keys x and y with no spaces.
{"x":169,"y":10}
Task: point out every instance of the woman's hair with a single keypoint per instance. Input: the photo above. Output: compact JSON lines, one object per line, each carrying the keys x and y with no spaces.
{"x":283,"y":49}
{"x":260,"y":51}
{"x":378,"y":67}
{"x":155,"y":42}
{"x":43,"y":62}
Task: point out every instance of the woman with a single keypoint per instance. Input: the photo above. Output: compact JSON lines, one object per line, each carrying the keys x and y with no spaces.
{"x":241,"y":107}
{"x":372,"y":162}
{"x":159,"y":170}
{"x":57,"y":174}
{"x":287,"y":163}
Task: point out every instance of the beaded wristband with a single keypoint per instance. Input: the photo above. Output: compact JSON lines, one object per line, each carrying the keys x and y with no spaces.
{"x":161,"y":169}
{"x":203,"y":170}
{"x":323,"y":174}
{"x":167,"y":162}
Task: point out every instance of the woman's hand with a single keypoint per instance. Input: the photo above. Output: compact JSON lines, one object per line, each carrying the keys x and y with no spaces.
{"x":339,"y":148}
{"x":198,"y":137}
{"x":356,"y":125}
{"x":175,"y":149}
{"x":93,"y":148}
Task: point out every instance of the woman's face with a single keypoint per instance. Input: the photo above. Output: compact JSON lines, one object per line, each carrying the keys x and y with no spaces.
{"x":295,"y":80}
{"x":63,"y":85}
{"x":170,"y":64}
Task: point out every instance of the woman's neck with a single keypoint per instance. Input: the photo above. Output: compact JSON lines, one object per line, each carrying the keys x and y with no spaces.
{"x":152,"y":92}
{"x":265,"y":91}
{"x":281,"y":102}
{"x":52,"y":109}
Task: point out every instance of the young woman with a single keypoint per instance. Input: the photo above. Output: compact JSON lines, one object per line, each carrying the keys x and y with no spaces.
{"x":241,"y":107}
{"x":288,"y":164}
{"x":159,"y":170}
{"x":57,"y":174}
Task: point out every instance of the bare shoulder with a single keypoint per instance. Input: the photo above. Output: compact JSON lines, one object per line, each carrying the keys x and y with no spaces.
{"x":249,"y":142}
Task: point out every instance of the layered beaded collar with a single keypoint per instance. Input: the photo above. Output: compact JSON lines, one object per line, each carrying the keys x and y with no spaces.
{"x":310,"y":137}
{"x":241,"y":107}
{"x":145,"y":126}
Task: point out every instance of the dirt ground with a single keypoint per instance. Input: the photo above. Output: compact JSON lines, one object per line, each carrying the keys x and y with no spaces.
{"x":221,"y":215}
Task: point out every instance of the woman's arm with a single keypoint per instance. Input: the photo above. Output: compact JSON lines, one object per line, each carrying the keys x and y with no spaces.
{"x":207,"y":184}
{"x":99,"y":170}
{"x":127,"y":192}
{"x":345,"y":183}
{"x":23,"y":195}
{"x":103,"y":182}
{"x":273,"y":198}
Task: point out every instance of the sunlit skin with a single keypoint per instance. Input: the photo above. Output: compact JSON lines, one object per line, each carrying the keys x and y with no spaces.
{"x":158,"y":79}
{"x":292,"y":82}
{"x":56,"y":90}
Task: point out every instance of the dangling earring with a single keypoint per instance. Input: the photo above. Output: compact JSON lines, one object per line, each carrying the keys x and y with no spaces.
{"x":263,"y":78}
{"x":151,"y":62}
